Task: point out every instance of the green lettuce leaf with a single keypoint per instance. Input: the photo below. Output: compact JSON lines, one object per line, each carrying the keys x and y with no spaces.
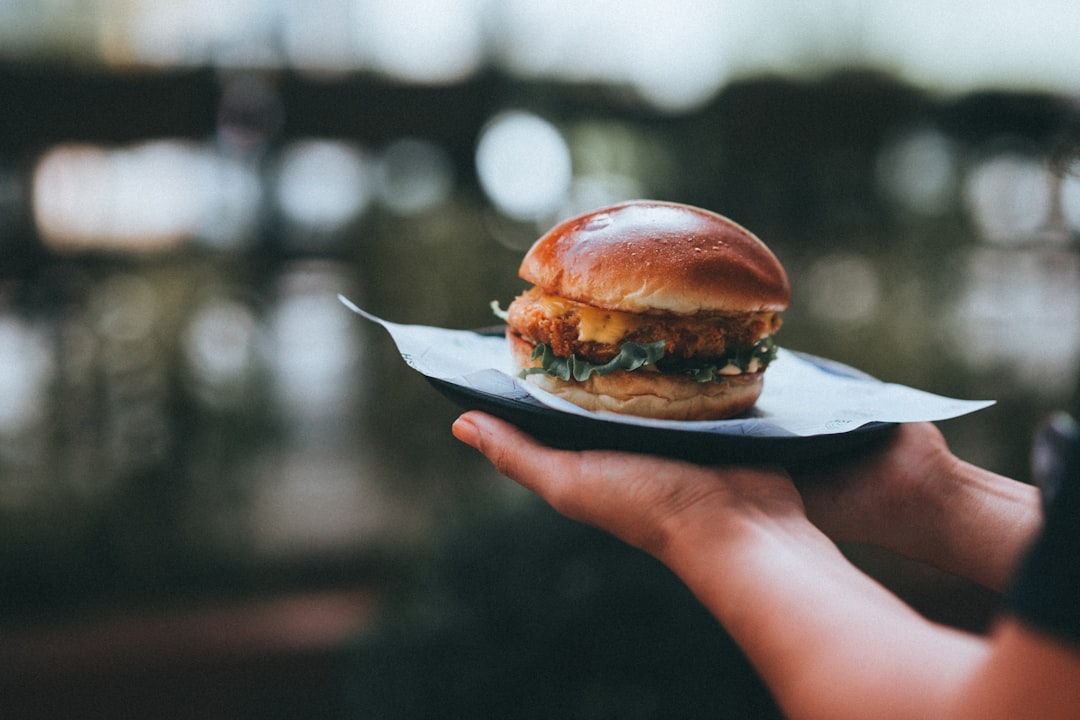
{"x":631,"y":357}
{"x":636,"y":355}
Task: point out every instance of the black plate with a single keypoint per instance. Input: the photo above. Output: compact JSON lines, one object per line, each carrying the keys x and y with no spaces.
{"x":577,"y":432}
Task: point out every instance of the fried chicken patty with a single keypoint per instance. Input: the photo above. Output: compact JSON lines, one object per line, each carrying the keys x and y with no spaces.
{"x":573,"y":328}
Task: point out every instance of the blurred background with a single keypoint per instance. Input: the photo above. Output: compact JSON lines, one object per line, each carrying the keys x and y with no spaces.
{"x":222,"y":494}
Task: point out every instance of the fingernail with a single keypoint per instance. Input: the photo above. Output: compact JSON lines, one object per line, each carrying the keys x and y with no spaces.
{"x":465,"y":430}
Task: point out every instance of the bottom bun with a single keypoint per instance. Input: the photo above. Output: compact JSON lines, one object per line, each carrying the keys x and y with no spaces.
{"x":646,"y":393}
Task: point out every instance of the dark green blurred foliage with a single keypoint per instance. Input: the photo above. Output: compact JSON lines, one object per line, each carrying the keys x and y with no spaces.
{"x":530,"y":615}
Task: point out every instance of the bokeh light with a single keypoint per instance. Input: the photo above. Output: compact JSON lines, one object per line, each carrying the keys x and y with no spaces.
{"x":231,"y":201}
{"x":425,"y":41}
{"x":221,"y":346}
{"x":524,"y":164}
{"x":319,"y":36}
{"x":1009,"y":197}
{"x":26,"y":368}
{"x":146,"y":197}
{"x":1019,"y":310}
{"x":918,"y":171}
{"x":323,"y":184}
{"x":843,"y":288}
{"x":675,"y":55}
{"x":1070,"y":197}
{"x":312,"y":347}
{"x":236,"y":32}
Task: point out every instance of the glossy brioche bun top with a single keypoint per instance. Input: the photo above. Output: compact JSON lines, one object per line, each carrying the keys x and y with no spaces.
{"x":647,"y":255}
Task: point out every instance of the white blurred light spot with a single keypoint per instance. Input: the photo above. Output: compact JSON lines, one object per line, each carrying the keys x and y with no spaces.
{"x":145,"y":197}
{"x":323,"y":184}
{"x":313,"y":348}
{"x":422,"y":40}
{"x":318,"y":35}
{"x":524,"y":164}
{"x":26,"y":366}
{"x":414,"y":175}
{"x":1009,"y":196}
{"x":220,"y":347}
{"x":150,"y":196}
{"x":963,"y":45}
{"x":843,"y":288}
{"x":195,"y":31}
{"x":232,"y":194}
{"x":674,"y":54}
{"x":917,"y":172}
{"x":1020,"y":309}
{"x":1070,"y":198}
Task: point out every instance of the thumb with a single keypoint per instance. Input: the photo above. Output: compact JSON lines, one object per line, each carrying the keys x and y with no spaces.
{"x":514,"y":453}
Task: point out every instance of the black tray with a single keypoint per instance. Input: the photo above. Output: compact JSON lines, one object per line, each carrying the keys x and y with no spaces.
{"x":577,"y":432}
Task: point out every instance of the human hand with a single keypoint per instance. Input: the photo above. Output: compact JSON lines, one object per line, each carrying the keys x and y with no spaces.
{"x":883,"y":493}
{"x":643,"y":500}
{"x":911,"y":495}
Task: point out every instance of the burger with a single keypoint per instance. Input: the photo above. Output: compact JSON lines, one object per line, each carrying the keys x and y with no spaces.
{"x":649,"y":308}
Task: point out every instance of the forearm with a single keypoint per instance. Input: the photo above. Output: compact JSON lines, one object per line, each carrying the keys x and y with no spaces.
{"x":828,"y":641}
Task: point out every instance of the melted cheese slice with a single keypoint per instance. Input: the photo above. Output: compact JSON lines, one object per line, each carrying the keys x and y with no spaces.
{"x":594,"y":324}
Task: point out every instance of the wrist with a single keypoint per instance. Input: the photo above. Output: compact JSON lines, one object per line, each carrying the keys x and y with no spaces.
{"x":699,"y":547}
{"x":732,"y":565}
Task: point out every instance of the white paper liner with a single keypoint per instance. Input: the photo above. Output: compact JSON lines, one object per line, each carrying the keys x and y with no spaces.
{"x":802,"y":395}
